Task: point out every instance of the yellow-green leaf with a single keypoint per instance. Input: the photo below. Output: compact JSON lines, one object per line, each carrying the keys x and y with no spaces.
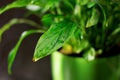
{"x":93,"y":19}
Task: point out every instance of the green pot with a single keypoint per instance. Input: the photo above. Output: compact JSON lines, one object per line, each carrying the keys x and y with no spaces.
{"x":76,"y":68}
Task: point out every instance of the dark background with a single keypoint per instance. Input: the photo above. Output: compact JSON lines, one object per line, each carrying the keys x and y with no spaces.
{"x":23,"y":67}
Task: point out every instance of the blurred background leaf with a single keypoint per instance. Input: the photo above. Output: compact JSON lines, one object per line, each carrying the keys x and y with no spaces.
{"x":13,"y":52}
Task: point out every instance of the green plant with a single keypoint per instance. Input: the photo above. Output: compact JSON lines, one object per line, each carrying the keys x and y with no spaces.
{"x":82,"y":27}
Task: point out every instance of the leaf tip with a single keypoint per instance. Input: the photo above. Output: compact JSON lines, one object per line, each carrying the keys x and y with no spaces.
{"x":35,"y":59}
{"x":9,"y":71}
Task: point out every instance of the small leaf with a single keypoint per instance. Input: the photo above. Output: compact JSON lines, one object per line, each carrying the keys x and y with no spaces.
{"x":116,"y":31}
{"x":51,"y":3}
{"x":90,"y":54}
{"x":13,"y":52}
{"x":90,"y":4}
{"x":94,"y":19}
{"x":83,"y":2}
{"x":54,"y":38}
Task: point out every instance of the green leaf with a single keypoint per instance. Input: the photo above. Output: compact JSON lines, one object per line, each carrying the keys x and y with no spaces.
{"x":51,"y":3}
{"x":54,"y":38}
{"x":13,"y":52}
{"x":99,"y":3}
{"x":91,"y":4}
{"x":15,"y":4}
{"x":94,"y":19}
{"x":47,"y":19}
{"x":28,"y":3}
{"x":83,"y":2}
{"x":14,"y":21}
{"x":90,"y":54}
{"x":116,"y":31}
{"x":7,"y":26}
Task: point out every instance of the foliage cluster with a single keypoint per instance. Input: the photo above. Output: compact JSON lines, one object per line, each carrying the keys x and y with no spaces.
{"x":88,"y":27}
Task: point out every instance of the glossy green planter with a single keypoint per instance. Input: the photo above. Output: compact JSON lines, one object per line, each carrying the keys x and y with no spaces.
{"x":72,"y":68}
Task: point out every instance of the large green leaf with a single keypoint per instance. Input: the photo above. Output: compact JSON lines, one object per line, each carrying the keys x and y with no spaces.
{"x":54,"y":38}
{"x":13,"y":52}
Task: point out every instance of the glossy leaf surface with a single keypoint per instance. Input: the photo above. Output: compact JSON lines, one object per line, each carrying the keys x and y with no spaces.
{"x":54,"y":38}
